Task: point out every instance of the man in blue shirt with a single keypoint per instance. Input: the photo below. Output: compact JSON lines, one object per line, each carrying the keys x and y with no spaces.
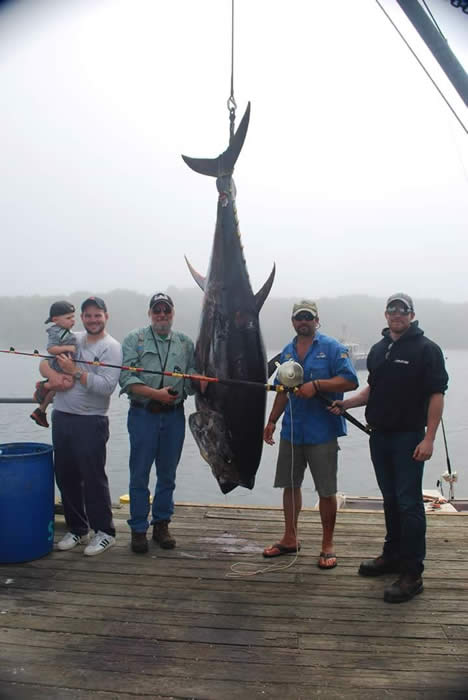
{"x":309,"y":431}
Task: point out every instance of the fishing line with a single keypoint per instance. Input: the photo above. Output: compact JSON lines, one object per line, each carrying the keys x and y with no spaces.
{"x":242,"y":569}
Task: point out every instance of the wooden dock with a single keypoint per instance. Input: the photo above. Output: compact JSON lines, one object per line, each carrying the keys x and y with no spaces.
{"x":173,"y":624}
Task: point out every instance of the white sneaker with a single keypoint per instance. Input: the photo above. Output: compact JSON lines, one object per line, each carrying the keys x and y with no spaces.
{"x":71,"y":540}
{"x":100,"y":542}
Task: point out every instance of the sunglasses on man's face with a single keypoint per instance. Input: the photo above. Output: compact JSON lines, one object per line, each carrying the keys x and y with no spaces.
{"x":304,"y":316}
{"x":403,"y":310}
{"x":161,"y":310}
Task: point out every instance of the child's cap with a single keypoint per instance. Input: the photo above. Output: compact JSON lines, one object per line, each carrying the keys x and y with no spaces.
{"x":59,"y":308}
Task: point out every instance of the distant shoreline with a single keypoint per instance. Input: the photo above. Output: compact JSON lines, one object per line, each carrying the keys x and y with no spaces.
{"x":358,"y":318}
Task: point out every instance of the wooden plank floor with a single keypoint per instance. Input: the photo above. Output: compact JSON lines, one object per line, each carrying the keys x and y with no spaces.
{"x":173,"y":624}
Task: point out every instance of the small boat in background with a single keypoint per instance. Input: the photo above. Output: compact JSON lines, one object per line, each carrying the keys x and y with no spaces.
{"x":357,"y":355}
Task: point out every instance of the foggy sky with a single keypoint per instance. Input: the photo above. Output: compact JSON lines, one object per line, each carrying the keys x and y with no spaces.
{"x":353,"y":177}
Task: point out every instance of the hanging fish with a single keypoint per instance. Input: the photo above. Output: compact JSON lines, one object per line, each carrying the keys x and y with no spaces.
{"x":228,"y":424}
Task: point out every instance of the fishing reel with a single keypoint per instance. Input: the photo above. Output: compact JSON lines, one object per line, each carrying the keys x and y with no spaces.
{"x":290,"y":374}
{"x":450,"y":477}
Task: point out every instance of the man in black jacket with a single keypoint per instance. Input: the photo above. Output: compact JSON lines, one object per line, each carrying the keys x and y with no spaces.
{"x":404,"y":401}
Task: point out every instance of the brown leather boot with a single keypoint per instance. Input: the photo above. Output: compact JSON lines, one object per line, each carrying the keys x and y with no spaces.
{"x":379,"y":566}
{"x":404,"y":588}
{"x":162,"y":535}
{"x":139,"y":542}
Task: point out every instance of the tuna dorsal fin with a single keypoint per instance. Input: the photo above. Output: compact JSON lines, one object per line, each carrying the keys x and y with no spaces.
{"x":262,"y":293}
{"x":224,"y":163}
{"x":199,"y":279}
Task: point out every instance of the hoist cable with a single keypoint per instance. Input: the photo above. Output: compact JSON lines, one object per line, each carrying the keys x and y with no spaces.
{"x":231,"y":103}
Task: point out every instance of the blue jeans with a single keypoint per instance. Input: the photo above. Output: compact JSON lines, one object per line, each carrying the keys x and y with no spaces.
{"x":400,"y":479}
{"x":158,"y":438}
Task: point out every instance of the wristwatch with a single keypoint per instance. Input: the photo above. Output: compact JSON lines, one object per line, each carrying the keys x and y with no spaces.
{"x":78,"y":375}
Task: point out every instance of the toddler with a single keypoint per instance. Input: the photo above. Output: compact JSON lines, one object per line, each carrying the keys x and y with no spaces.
{"x":61,"y":339}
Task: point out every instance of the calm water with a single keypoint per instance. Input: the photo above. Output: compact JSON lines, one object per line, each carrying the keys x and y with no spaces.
{"x":195,"y":483}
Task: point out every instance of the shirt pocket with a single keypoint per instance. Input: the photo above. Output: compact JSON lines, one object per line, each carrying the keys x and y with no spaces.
{"x":318,"y":370}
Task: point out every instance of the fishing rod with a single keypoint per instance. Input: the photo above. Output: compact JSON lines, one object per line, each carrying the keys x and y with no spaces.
{"x":279,"y":388}
{"x":290,"y":382}
{"x":450,"y":476}
{"x":365,"y":428}
{"x":449,"y":466}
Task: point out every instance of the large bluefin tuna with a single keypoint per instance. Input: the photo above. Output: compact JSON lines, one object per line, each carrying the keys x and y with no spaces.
{"x":228,"y":424}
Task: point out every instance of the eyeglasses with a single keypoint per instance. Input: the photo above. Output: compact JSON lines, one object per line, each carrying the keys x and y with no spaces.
{"x":304,"y":316}
{"x":403,"y":310}
{"x":161,"y":310}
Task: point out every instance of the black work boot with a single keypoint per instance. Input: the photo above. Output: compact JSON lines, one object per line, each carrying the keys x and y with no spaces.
{"x":379,"y":566}
{"x":162,"y":535}
{"x":139,"y":542}
{"x":404,"y":588}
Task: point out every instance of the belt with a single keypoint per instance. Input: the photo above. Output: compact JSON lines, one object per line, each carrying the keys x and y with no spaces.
{"x":155,"y":407}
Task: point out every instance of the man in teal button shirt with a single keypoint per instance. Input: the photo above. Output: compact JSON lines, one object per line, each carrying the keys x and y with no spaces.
{"x":156,"y":420}
{"x":309,"y":431}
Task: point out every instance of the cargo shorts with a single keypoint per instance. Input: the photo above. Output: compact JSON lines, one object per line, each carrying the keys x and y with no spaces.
{"x":322,"y":460}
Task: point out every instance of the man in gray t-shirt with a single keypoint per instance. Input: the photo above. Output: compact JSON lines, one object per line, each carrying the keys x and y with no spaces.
{"x":80,"y":430}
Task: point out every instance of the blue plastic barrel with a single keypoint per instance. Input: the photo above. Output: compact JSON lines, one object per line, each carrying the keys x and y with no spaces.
{"x":26,"y":501}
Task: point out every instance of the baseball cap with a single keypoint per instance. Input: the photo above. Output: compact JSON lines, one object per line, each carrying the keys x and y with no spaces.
{"x":59,"y":308}
{"x":305,"y":305}
{"x":404,"y":298}
{"x":160,"y":297}
{"x":97,"y":301}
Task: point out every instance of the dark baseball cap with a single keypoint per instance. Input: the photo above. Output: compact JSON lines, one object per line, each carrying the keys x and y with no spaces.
{"x":404,"y":298}
{"x":59,"y":308}
{"x":159,"y":298}
{"x":97,"y":301}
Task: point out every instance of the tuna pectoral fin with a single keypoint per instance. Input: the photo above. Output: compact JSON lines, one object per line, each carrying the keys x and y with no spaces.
{"x":209,"y":431}
{"x":223,"y":164}
{"x":199,"y":279}
{"x":272,"y":364}
{"x":262,"y":294}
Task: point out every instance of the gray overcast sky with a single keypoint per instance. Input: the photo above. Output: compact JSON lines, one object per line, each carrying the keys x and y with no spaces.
{"x":353,"y":177}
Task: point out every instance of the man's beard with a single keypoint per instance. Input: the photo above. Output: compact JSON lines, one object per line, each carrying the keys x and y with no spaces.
{"x":162,"y":327}
{"x":95,"y":331}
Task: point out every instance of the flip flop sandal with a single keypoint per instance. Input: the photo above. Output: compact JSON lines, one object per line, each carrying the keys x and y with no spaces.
{"x":327,"y":556}
{"x":277,"y":550}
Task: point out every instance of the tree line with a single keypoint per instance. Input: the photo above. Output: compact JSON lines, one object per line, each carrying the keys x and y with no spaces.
{"x":355,"y":318}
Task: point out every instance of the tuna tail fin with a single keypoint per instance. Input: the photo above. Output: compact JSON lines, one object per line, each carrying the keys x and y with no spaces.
{"x":262,"y":293}
{"x":224,"y":163}
{"x":199,"y":279}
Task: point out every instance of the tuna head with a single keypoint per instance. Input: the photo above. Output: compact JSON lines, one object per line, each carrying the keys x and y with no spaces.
{"x":211,"y":435}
